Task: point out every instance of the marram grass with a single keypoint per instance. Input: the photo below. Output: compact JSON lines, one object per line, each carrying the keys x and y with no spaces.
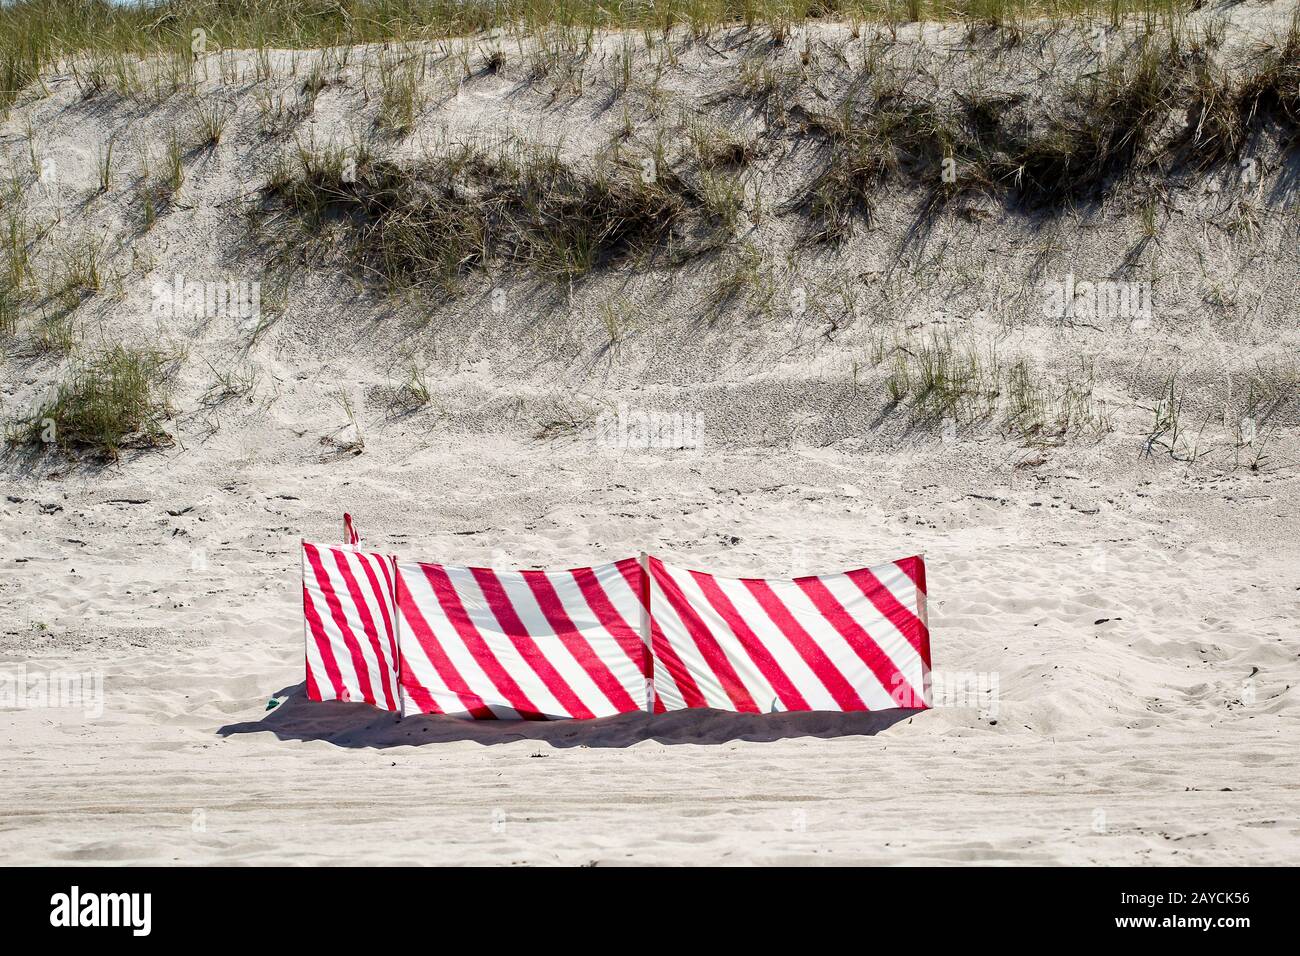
{"x":36,"y":33}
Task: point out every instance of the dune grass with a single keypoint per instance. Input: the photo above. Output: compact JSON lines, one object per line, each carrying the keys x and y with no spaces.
{"x":465,"y":209}
{"x":107,"y":403}
{"x":35,"y":33}
{"x":10,"y":307}
{"x":946,"y":379}
{"x":1113,"y":122}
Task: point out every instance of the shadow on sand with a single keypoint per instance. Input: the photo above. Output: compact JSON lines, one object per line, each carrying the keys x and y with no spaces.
{"x":360,"y":725}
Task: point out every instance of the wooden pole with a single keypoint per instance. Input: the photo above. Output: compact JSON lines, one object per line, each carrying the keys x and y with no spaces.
{"x":645,"y":632}
{"x":397,"y":638}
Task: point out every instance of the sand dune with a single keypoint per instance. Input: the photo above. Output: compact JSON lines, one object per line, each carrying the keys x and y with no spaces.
{"x":1126,"y":613}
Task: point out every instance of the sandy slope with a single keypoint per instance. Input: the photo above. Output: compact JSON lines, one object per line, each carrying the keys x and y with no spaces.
{"x":1137,"y":611}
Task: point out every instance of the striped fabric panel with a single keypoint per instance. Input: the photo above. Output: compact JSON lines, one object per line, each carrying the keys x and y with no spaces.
{"x":350,"y":628}
{"x":852,"y":641}
{"x":538,"y":645}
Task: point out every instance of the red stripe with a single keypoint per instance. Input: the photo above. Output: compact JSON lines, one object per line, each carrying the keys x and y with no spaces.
{"x":447,"y":672}
{"x":914,"y":568}
{"x":395,"y":652}
{"x":323,"y":646}
{"x":417,"y":692}
{"x":611,"y":620}
{"x":383,"y":596}
{"x":862,"y":643}
{"x":788,"y":694}
{"x":503,"y":610}
{"x":341,"y":622}
{"x":478,"y":648}
{"x":710,"y":651}
{"x":367,"y":622}
{"x":313,"y":692}
{"x":556,"y":616}
{"x":663,"y":650}
{"x":816,"y":658}
{"x":424,"y":701}
{"x":383,"y":561}
{"x":908,"y":624}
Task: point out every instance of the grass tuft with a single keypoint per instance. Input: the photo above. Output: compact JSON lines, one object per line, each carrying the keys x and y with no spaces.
{"x":431,"y":225}
{"x":945,"y":379}
{"x":109,"y":403}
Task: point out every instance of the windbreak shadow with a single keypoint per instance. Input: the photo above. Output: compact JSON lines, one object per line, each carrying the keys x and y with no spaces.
{"x":361,"y":726}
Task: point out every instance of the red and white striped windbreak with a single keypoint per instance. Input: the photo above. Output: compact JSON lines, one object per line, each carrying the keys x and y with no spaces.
{"x":483,"y":643}
{"x":351,"y":637}
{"x":852,"y":641}
{"x":422,"y":638}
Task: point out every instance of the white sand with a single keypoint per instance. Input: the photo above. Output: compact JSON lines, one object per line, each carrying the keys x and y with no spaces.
{"x":1138,"y":719}
{"x":1167,"y":734}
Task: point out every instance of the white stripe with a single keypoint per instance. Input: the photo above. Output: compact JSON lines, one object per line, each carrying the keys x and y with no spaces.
{"x":751,"y":677}
{"x":905,"y":591}
{"x":499,"y":643}
{"x":692,"y":658}
{"x":333,"y":633}
{"x":840,"y":652}
{"x":782,"y":649}
{"x":378,"y":603}
{"x":903,"y":657}
{"x":626,"y":601}
{"x":899,"y":584}
{"x":315,"y":662}
{"x":415,"y":662}
{"x":602,"y":643}
{"x":381,"y":600}
{"x":378,"y":662}
{"x":549,"y":643}
{"x":346,"y":674}
{"x":378,"y":599}
{"x":476,"y":680}
{"x":666,"y":689}
{"x":352,"y":614}
{"x":418,"y":671}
